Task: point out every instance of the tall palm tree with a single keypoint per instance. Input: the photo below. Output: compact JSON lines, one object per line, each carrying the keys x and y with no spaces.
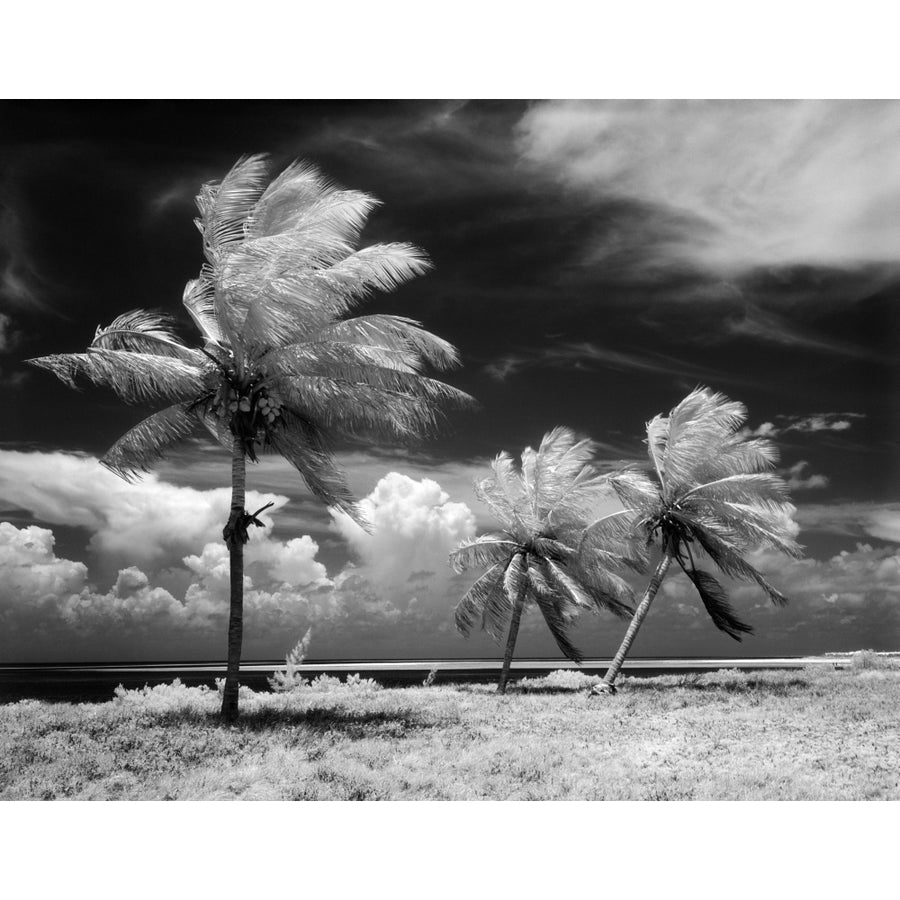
{"x":283,"y":366}
{"x":711,"y":497}
{"x":542,"y":508}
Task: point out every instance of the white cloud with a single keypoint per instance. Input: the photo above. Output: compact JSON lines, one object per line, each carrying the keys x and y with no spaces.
{"x":21,"y":285}
{"x":587,"y":355}
{"x":798,"y":481}
{"x":809,"y":424}
{"x":47,"y":603}
{"x":859,"y":520}
{"x":748,"y":183}
{"x":415,"y":525}
{"x":50,"y":608}
{"x":150,"y":522}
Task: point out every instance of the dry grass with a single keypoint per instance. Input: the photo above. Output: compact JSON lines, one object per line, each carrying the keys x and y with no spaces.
{"x":771,"y":735}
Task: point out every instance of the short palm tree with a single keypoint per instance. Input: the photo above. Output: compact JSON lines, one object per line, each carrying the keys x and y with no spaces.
{"x":712,"y":497}
{"x":542,"y":508}
{"x":283,"y":366}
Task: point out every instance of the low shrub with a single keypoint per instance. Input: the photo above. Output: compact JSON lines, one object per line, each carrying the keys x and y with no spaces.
{"x":871,"y":659}
{"x":560,"y":680}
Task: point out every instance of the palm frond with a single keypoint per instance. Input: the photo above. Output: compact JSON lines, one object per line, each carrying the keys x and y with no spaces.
{"x":279,"y":307}
{"x":613,"y":541}
{"x":738,"y":454}
{"x":504,"y":493}
{"x":657,"y":438}
{"x":485,"y":550}
{"x":515,"y":579}
{"x":301,"y":198}
{"x":696,"y":430}
{"x":747,"y":526}
{"x":488,"y":589}
{"x":304,"y":447}
{"x":551,"y":548}
{"x":356,"y":410}
{"x":749,"y":487}
{"x":715,"y":599}
{"x":609,"y":591}
{"x":558,"y":625}
{"x":539,"y":579}
{"x":143,"y":331}
{"x":381,"y":267}
{"x":567,"y":585}
{"x":200,"y":301}
{"x":732,"y":563}
{"x":634,"y":489}
{"x":293,"y":190}
{"x":224,"y":207}
{"x":135,"y":377}
{"x":356,"y":363}
{"x":334,"y":217}
{"x":394,"y":334}
{"x":560,"y":476}
{"x":148,"y":441}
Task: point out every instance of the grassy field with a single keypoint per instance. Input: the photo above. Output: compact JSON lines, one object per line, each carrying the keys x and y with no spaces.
{"x":810,"y":734}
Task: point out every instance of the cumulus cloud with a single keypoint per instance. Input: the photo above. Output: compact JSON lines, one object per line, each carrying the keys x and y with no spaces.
{"x":746,"y":184}
{"x":847,"y":601}
{"x":415,"y":525}
{"x":51,"y":608}
{"x":149,"y":523}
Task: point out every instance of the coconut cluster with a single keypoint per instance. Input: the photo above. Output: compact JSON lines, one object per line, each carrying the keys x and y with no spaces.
{"x":254,"y":406}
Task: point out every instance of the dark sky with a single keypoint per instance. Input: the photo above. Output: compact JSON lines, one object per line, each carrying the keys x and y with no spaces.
{"x":593,"y":263}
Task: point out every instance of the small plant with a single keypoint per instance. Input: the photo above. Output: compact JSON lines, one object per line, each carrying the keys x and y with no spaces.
{"x":288,"y":678}
{"x":870,"y":659}
{"x":356,"y":683}
{"x":559,"y":680}
{"x":431,"y":677}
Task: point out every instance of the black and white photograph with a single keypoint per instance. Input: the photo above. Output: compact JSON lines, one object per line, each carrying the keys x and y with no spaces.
{"x":449,"y":450}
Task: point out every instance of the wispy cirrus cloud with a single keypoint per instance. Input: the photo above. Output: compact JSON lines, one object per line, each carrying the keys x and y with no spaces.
{"x":745,"y":184}
{"x":765,"y":325}
{"x":21,"y":284}
{"x":854,"y":519}
{"x":588,"y":355}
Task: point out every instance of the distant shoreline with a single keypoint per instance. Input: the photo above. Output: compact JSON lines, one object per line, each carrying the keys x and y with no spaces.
{"x":91,"y":682}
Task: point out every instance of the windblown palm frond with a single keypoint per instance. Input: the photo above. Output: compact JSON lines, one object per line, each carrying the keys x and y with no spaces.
{"x":200,"y":301}
{"x":486,"y":593}
{"x":140,"y":331}
{"x":136,"y":377}
{"x":543,"y":506}
{"x":146,"y":443}
{"x":485,"y":550}
{"x":715,"y":601}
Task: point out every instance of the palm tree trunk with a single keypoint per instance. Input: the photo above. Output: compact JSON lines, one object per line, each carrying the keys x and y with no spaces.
{"x":607,"y":686}
{"x":234,"y":540}
{"x":511,"y":639}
